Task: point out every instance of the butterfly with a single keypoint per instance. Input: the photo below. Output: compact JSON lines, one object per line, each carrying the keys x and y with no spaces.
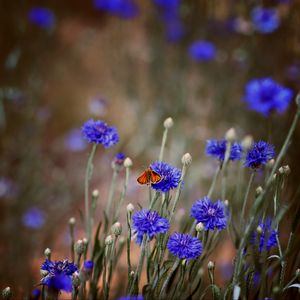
{"x":148,"y":177}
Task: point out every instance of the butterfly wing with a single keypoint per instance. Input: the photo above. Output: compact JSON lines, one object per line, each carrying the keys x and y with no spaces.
{"x":144,"y":178}
{"x":155,"y":177}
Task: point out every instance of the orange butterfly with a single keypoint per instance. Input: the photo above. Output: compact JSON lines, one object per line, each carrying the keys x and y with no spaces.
{"x":148,"y":177}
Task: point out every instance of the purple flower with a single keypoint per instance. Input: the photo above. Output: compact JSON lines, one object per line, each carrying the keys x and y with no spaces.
{"x":211,"y":214}
{"x":149,"y":223}
{"x":88,"y":265}
{"x":33,"y":218}
{"x":98,"y":106}
{"x":266,"y":95}
{"x":170,"y":176}
{"x":265,"y":20}
{"x":202,"y":51}
{"x":42,"y":17}
{"x":131,"y":298}
{"x":74,"y":141}
{"x":99,"y":132}
{"x":119,"y":159}
{"x":259,"y":154}
{"x":59,"y":275}
{"x":217,"y":148}
{"x":184,"y":246}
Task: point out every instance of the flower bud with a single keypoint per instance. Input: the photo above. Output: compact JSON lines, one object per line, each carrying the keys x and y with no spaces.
{"x":259,"y":230}
{"x":6,"y":293}
{"x":131,"y":273}
{"x":130,"y":208}
{"x":183,"y":263}
{"x":79,"y":247}
{"x":200,"y":272}
{"x":116,"y":229}
{"x":284,"y":170}
{"x":297,"y":273}
{"x":168,"y":123}
{"x":276,"y":289}
{"x":95,"y":194}
{"x":186,"y":159}
{"x":247,"y":142}
{"x":85,"y":241}
{"x":226,"y":203}
{"x":108,"y":240}
{"x":230,"y":135}
{"x":210,"y":265}
{"x":76,"y":279}
{"x":259,"y":190}
{"x":127,"y":162}
{"x":271,"y":163}
{"x":199,"y":227}
{"x":47,"y":253}
{"x":72,"y":221}
{"x":44,"y":273}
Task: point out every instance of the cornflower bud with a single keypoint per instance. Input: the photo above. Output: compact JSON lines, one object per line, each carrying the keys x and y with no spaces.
{"x":76,"y":279}
{"x":168,"y":123}
{"x":259,"y":230}
{"x":6,"y":293}
{"x":72,"y":221}
{"x":247,"y":142}
{"x":284,"y":170}
{"x":127,"y":162}
{"x":259,"y":190}
{"x":230,"y":135}
{"x":271,"y":163}
{"x":95,"y":194}
{"x":130,"y":208}
{"x":186,"y":159}
{"x":210,"y":265}
{"x":79,"y":247}
{"x":47,"y":253}
{"x":226,"y":203}
{"x":199,"y":227}
{"x":108,"y":240}
{"x":116,"y":229}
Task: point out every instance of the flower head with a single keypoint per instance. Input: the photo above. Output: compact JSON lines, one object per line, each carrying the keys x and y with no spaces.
{"x":119,"y":159}
{"x":170,"y":176}
{"x":266,"y":95}
{"x":149,"y":223}
{"x":74,"y":141}
{"x":217,"y":148}
{"x":59,"y":275}
{"x":211,"y":214}
{"x":265,"y":20}
{"x":184,"y":246}
{"x":88,"y":265}
{"x":125,"y":9}
{"x":201,"y":51}
{"x":267,"y":238}
{"x":42,"y":17}
{"x":33,"y":218}
{"x":99,"y":132}
{"x":259,"y":154}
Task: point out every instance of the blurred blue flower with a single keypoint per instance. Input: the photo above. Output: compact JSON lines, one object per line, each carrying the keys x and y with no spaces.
{"x":217,"y":148}
{"x":99,"y":132}
{"x":8,"y":188}
{"x":88,"y":265}
{"x":202,"y":51}
{"x":170,"y":176}
{"x":293,"y":71}
{"x":167,"y":4}
{"x":266,"y":95}
{"x":42,"y":17}
{"x":150,"y":223}
{"x":74,"y":141}
{"x":97,"y":106}
{"x":174,"y":31}
{"x":59,"y":275}
{"x":259,"y":154}
{"x":211,"y":214}
{"x":125,"y":9}
{"x":119,"y":158}
{"x":265,"y":20}
{"x":35,"y":294}
{"x":184,"y":246}
{"x":267,"y":239}
{"x":33,"y":218}
{"x":140,"y":297}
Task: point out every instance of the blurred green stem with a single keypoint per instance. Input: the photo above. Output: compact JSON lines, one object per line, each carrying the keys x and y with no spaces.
{"x":213,"y":184}
{"x":247,"y":195}
{"x":163,"y":144}
{"x":88,"y":176}
{"x":111,"y":191}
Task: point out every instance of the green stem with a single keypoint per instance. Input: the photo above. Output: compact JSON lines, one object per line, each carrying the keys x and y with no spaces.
{"x":122,"y":195}
{"x":163,"y":144}
{"x":111,"y":191}
{"x":213,"y":184}
{"x":88,"y":176}
{"x":128,"y":243}
{"x":246,"y":196}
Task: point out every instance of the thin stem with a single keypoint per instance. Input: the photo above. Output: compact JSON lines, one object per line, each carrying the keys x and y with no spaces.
{"x":166,"y":282}
{"x":128,"y":243}
{"x":88,"y":176}
{"x":163,"y":144}
{"x":212,"y":186}
{"x":111,"y":191}
{"x":122,"y":195}
{"x":247,"y":195}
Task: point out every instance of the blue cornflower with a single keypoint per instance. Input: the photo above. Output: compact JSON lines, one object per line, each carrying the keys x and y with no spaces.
{"x":33,"y":218}
{"x":167,"y":4}
{"x":217,"y":148}
{"x":268,"y":238}
{"x":119,"y":159}
{"x":148,"y":222}
{"x":59,"y":275}
{"x":265,"y":20}
{"x":125,"y":9}
{"x":88,"y":265}
{"x":184,"y":246}
{"x":99,"y":132}
{"x":140,"y":297}
{"x":42,"y":17}
{"x":170,"y":176}
{"x":35,"y":294}
{"x":259,"y":154}
{"x":201,"y":51}
{"x":266,"y":95}
{"x":74,"y":141}
{"x":211,"y":214}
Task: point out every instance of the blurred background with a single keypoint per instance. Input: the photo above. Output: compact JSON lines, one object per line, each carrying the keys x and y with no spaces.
{"x":129,"y":63}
